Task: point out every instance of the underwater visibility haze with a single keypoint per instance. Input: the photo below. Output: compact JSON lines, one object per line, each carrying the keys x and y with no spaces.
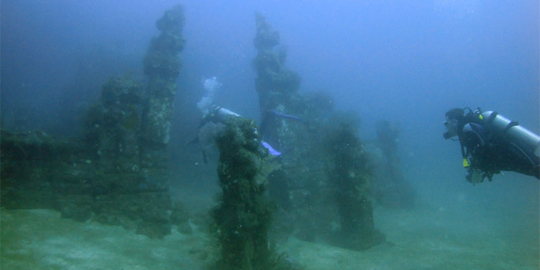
{"x":320,"y":146}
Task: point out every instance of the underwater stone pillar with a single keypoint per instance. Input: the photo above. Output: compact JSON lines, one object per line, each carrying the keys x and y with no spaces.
{"x":391,"y":189}
{"x":277,"y":89}
{"x":275,"y":85}
{"x":387,"y":136}
{"x":349,"y":180}
{"x":243,"y":216}
{"x":162,"y":66}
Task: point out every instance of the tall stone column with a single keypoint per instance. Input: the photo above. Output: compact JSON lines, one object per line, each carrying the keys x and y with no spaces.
{"x":244,"y":214}
{"x":277,"y":87}
{"x":162,"y":65}
{"x":349,"y":180}
{"x":391,"y":188}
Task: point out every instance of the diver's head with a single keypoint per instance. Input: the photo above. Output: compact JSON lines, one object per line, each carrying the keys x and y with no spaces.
{"x":454,"y":118}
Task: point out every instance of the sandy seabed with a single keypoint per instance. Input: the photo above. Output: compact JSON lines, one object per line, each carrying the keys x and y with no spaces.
{"x":460,"y":237}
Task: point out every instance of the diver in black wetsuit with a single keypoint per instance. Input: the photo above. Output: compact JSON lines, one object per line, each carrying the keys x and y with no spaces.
{"x":490,"y":143}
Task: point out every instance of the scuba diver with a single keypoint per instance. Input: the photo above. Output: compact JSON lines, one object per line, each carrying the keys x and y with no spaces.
{"x":490,"y":143}
{"x":213,"y":123}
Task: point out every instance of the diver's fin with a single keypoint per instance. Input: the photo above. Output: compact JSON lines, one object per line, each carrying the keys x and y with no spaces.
{"x":282,"y":115}
{"x":271,"y":149}
{"x":270,"y":115}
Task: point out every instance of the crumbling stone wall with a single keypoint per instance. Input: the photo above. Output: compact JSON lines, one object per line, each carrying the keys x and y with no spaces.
{"x":36,"y":169}
{"x":115,"y":125}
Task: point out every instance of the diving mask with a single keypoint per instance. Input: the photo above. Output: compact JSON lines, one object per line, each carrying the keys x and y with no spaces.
{"x":451,"y":128}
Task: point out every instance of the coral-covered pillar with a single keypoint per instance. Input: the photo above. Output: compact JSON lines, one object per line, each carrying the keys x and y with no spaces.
{"x":391,"y":188}
{"x":349,"y":180}
{"x":243,"y":216}
{"x":162,"y":66}
{"x":275,"y":85}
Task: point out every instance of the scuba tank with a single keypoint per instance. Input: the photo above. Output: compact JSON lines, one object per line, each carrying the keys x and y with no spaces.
{"x":497,"y":144}
{"x":491,"y":143}
{"x":522,"y":136}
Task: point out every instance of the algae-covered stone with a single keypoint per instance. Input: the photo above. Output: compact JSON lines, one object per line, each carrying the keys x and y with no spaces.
{"x":350,"y":181}
{"x":118,"y":174}
{"x":391,"y":188}
{"x":162,"y":65}
{"x":244,"y":214}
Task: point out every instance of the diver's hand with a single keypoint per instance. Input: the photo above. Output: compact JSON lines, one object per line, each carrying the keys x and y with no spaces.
{"x":475,"y":176}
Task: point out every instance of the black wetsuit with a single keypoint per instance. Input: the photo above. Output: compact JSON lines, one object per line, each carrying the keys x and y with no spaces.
{"x":493,"y":151}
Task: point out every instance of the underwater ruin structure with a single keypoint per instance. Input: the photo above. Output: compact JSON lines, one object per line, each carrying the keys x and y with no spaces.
{"x":113,"y":127}
{"x":391,"y":189}
{"x":162,"y":65}
{"x":276,"y":86}
{"x":116,"y":174}
{"x":301,"y":187}
{"x":350,"y":182}
{"x":277,"y":89}
{"x":133,"y":131}
{"x":40,"y":171}
{"x":244,"y":214}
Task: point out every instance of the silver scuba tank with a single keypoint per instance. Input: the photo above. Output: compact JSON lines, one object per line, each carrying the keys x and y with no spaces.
{"x":514,"y":131}
{"x":225,"y":114}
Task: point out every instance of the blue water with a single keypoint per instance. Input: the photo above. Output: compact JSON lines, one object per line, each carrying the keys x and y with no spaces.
{"x":405,"y":61}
